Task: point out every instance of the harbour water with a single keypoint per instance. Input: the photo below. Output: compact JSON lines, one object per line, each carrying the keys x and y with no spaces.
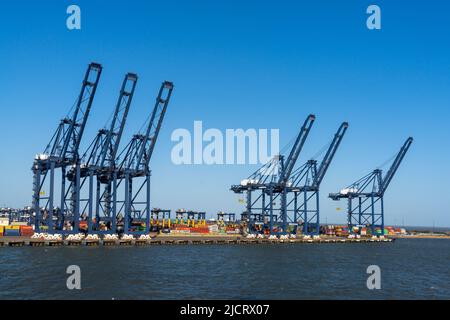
{"x":410,"y":269}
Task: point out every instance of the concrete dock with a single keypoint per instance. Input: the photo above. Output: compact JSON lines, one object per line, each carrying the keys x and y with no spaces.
{"x":180,"y":240}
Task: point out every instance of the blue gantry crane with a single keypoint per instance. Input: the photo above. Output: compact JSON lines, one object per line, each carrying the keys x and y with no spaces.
{"x":134,"y":164}
{"x":271,"y":180}
{"x":304,"y":185}
{"x":226,"y":216}
{"x":99,"y":167}
{"x":62,"y":153}
{"x":365,"y":197}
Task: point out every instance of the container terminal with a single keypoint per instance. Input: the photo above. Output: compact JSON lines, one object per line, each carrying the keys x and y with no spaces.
{"x":102,"y":195}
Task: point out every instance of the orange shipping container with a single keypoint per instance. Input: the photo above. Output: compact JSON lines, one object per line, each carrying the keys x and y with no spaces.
{"x":26,"y":231}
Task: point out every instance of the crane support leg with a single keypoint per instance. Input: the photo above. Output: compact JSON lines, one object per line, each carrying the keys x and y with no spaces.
{"x":128,"y":197}
{"x":147,"y":205}
{"x":50,"y":201}
{"x":36,"y":198}
{"x":114,"y":205}
{"x":90,"y":204}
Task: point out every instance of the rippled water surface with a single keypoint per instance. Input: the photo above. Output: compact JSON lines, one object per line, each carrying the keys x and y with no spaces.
{"x":410,"y":269}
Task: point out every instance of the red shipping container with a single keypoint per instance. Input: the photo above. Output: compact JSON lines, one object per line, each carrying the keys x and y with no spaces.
{"x":26,"y":231}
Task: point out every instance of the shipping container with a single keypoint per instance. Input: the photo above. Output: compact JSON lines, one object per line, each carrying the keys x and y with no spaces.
{"x":12,"y":227}
{"x":11,"y":232}
{"x":4,"y":221}
{"x":26,"y":231}
{"x":16,"y":223}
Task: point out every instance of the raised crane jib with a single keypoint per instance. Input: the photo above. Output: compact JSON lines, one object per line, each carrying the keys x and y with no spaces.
{"x":136,"y":155}
{"x":65,"y":143}
{"x":330,"y":154}
{"x":393,"y":169}
{"x":151,"y":135}
{"x":107,"y":156}
{"x":297,"y":148}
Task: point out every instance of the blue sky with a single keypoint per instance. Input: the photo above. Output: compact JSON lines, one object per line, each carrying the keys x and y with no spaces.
{"x":241,"y":64}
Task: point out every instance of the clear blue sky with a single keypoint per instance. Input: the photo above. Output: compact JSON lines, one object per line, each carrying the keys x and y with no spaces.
{"x":241,"y":64}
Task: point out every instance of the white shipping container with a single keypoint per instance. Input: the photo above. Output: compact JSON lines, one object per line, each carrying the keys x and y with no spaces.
{"x":213,"y":228}
{"x":4,"y":222}
{"x":16,"y":223}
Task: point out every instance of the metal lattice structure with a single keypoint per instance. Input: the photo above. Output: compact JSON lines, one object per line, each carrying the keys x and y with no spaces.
{"x":303,"y":203}
{"x":135,"y":166}
{"x":99,"y":173}
{"x":99,"y":169}
{"x":271,"y":182}
{"x":365,"y":204}
{"x":62,"y":154}
{"x":226,"y":216}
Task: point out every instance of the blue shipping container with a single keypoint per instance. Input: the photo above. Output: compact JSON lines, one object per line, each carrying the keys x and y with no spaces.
{"x":10,"y":232}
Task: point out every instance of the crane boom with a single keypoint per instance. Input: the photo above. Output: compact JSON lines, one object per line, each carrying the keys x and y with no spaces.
{"x":139,"y":150}
{"x":365,"y":197}
{"x":107,"y":157}
{"x":65,"y":143}
{"x":154,"y":125}
{"x":298,"y":146}
{"x":393,"y":169}
{"x":330,"y":154}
